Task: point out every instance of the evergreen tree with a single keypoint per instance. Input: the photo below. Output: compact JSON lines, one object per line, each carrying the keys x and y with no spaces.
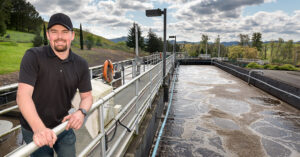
{"x":204,"y":43}
{"x":45,"y":36}
{"x":131,"y":37}
{"x":24,"y":17}
{"x":153,"y":43}
{"x":38,"y":40}
{"x":244,"y":40}
{"x":5,"y":7}
{"x":90,"y":42}
{"x":2,"y":26}
{"x":81,"y":38}
{"x":256,"y":41}
{"x":98,"y":42}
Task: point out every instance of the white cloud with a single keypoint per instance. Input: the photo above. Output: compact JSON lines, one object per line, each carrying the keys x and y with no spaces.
{"x":188,"y":19}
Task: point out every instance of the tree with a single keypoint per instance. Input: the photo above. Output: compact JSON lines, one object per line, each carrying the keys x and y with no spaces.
{"x":45,"y":36}
{"x":244,"y":40}
{"x":2,"y":26}
{"x":256,"y":41}
{"x":81,"y":38}
{"x":288,"y":51}
{"x":272,"y":45}
{"x":265,"y":49}
{"x":98,"y":42}
{"x":204,"y":42}
{"x":38,"y":40}
{"x":279,"y":49}
{"x":153,"y":43}
{"x":131,"y":37}
{"x":235,"y":52}
{"x":217,"y":47}
{"x":24,"y":17}
{"x":89,"y":42}
{"x":296,"y":55}
{"x":5,"y":7}
{"x":250,"y":52}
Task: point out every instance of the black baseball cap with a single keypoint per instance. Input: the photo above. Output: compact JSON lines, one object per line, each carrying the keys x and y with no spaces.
{"x":61,"y":19}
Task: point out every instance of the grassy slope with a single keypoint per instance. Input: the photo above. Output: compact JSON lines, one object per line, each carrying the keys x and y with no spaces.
{"x":16,"y":36}
{"x":11,"y":55}
{"x":13,"y":49}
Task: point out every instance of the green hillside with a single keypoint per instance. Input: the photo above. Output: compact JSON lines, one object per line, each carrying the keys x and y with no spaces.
{"x":11,"y":54}
{"x":12,"y":49}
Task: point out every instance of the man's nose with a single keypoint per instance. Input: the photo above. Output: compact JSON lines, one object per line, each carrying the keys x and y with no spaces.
{"x":59,"y":35}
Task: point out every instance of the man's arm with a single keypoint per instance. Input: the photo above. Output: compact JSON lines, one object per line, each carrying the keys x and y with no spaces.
{"x":76,"y":119}
{"x":42,"y":135}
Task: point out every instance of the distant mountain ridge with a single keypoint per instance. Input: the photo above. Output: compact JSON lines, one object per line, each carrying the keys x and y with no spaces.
{"x":116,"y":40}
{"x":227,"y":43}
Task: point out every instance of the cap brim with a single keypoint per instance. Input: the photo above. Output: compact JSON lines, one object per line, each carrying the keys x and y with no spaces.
{"x":60,"y":24}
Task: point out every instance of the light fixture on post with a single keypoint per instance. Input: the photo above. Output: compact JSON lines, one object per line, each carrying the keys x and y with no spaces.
{"x":174,"y":47}
{"x":159,"y":12}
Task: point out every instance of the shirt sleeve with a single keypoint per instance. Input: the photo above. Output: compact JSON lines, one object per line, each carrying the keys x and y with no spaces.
{"x":29,"y":68}
{"x":85,"y":80}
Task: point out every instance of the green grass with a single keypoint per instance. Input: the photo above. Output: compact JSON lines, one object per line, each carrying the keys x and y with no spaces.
{"x":16,"y":36}
{"x":11,"y":54}
{"x":289,"y":67}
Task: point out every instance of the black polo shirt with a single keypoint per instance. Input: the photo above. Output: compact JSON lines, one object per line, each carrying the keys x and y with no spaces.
{"x":55,"y":82}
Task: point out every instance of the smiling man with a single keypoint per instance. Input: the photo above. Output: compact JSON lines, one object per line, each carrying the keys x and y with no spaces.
{"x":49,"y":77}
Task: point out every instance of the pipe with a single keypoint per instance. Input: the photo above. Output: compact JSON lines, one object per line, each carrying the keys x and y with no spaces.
{"x":166,"y":117}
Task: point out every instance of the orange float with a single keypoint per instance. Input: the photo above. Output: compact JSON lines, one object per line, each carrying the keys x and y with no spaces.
{"x":108,"y":71}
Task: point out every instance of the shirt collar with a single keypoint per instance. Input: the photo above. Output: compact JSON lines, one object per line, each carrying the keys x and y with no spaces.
{"x":51,"y":53}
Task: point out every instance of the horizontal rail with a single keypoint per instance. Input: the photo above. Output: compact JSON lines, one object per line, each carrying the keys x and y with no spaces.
{"x":29,"y":148}
{"x":296,"y":96}
{"x":8,"y":87}
{"x":11,"y":130}
{"x":8,"y":109}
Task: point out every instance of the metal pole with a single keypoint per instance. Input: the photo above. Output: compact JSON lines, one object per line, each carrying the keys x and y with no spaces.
{"x":91,"y":73}
{"x":137,"y":51}
{"x":219,"y":47}
{"x":123,"y":72}
{"x":101,"y":126}
{"x":136,"y":105}
{"x":166,"y":89}
{"x":174,"y":52}
{"x":165,"y":44}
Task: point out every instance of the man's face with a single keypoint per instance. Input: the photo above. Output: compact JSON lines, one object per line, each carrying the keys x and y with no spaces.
{"x":60,"y":38}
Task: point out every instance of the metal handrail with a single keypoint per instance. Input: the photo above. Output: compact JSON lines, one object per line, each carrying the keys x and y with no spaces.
{"x":29,"y":148}
{"x":15,"y":85}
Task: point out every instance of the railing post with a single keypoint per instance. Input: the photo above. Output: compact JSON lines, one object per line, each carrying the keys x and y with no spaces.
{"x":136,"y":105}
{"x":134,"y":64}
{"x":101,"y":125}
{"x":91,"y":73}
{"x":150,"y":90}
{"x":123,"y":72}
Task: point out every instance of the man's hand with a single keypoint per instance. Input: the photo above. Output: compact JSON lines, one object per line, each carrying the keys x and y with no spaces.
{"x":44,"y":136}
{"x":75,"y":120}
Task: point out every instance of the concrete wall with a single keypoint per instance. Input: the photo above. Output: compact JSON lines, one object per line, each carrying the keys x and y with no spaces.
{"x":142,"y":143}
{"x":277,"y":93}
{"x":194,"y":62}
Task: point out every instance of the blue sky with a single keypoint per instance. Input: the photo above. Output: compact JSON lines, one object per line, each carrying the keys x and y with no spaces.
{"x":187,"y":19}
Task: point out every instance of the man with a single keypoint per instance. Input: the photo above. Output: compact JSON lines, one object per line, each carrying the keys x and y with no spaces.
{"x":49,"y":77}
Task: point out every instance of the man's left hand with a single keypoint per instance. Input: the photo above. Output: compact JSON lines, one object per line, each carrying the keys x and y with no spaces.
{"x":76,"y":120}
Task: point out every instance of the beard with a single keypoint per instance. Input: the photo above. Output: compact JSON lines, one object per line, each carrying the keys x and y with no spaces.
{"x":60,"y":48}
